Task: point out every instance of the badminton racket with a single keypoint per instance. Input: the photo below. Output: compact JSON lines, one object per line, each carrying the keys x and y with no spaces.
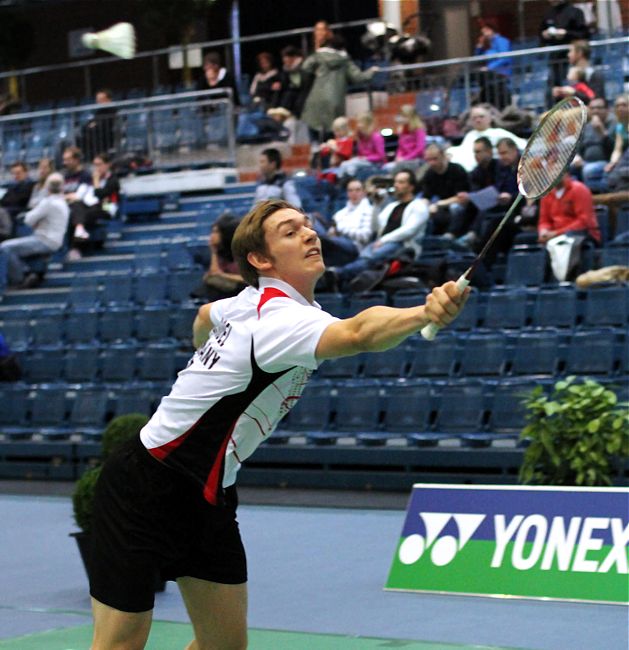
{"x":547,"y":154}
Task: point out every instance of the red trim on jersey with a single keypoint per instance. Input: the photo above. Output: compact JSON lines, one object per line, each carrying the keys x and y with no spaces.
{"x":267,"y":294}
{"x":167,"y":448}
{"x":211,"y":485}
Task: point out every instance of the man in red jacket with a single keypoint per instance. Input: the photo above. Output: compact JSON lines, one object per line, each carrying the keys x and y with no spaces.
{"x":568,"y":209}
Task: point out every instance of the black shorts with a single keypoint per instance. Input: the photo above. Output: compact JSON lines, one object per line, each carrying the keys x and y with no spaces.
{"x":150,"y":520}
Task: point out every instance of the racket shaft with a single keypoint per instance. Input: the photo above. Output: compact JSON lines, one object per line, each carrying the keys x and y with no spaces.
{"x":430,"y":331}
{"x":496,"y":232}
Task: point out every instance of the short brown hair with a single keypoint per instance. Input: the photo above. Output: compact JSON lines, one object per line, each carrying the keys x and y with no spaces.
{"x":249,"y":236}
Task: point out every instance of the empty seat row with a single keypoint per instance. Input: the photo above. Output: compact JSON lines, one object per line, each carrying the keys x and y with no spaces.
{"x":538,"y":351}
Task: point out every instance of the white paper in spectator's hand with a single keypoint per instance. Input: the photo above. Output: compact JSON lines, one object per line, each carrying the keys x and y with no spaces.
{"x":486,"y":198}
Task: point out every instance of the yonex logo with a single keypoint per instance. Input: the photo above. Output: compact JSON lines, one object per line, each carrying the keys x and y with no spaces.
{"x":444,"y":549}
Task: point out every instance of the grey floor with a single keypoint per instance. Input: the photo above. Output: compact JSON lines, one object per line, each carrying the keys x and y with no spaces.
{"x":312,"y":569}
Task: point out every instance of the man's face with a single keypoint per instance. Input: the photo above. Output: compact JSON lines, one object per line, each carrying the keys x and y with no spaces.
{"x":573,"y":55}
{"x":19,"y":173}
{"x":293,"y":248}
{"x":480,"y":118}
{"x":621,"y":107}
{"x":597,"y":107}
{"x":507,"y":155}
{"x":402,"y":187}
{"x":70,"y":162}
{"x":436,"y":160}
{"x":355,"y":192}
{"x":266,"y":167}
{"x":102,"y":98}
{"x":482,"y":154}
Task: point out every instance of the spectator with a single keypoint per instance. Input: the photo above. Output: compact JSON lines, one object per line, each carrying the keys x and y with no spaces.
{"x":49,"y":221}
{"x":401,"y":223}
{"x":264,"y":82}
{"x":45,"y":167}
{"x":370,"y":151}
{"x":621,"y":109}
{"x":332,"y":70}
{"x":222,"y":279}
{"x":351,"y":229}
{"x":321,"y":33}
{"x":495,"y":73}
{"x":597,"y":144}
{"x":15,"y":199}
{"x":562,"y":24}
{"x":340,"y":148}
{"x":273,"y":183}
{"x":576,"y":86}
{"x":480,"y":118}
{"x":293,"y":84}
{"x":99,"y":133}
{"x":216,"y":76}
{"x":579,"y":56}
{"x":77,"y":180}
{"x":411,"y":134}
{"x":100,"y":202}
{"x":441,"y":185}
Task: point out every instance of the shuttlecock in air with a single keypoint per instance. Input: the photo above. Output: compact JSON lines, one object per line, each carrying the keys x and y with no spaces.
{"x":119,"y":39}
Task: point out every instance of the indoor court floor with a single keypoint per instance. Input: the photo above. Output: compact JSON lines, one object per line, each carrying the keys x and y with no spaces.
{"x":316,"y":579}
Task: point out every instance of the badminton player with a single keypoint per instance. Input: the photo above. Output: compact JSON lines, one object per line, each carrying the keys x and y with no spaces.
{"x":166,"y":502}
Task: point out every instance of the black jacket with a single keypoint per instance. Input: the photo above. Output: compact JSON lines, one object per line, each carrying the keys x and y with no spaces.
{"x":564,"y":16}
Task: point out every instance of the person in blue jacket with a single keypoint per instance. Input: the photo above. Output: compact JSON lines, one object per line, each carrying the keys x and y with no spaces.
{"x":495,"y":73}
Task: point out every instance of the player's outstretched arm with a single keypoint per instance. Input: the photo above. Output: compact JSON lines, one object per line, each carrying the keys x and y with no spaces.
{"x":202,"y":325}
{"x":380,"y":328}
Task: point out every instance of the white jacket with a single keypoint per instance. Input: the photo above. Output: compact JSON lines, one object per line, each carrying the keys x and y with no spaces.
{"x":49,"y":220}
{"x":412,"y":228}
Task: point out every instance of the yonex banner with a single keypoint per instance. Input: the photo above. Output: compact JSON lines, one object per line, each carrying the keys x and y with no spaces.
{"x":532,"y":542}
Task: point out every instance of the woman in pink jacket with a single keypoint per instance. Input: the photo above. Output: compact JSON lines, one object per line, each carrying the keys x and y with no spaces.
{"x":411,"y":139}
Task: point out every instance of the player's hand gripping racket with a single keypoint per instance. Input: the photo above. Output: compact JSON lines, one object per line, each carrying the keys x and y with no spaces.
{"x":545,"y":158}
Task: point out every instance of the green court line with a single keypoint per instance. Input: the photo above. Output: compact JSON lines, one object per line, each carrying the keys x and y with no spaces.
{"x":172,"y":636}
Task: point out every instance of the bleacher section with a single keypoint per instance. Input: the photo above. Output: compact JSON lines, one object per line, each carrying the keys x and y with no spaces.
{"x":106,"y":334}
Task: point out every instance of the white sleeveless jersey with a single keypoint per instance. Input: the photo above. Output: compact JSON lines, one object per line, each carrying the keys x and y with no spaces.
{"x":238,"y":385}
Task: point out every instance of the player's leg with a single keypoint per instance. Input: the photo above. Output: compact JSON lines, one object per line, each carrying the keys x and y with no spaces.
{"x":116,"y":630}
{"x":218,"y":613}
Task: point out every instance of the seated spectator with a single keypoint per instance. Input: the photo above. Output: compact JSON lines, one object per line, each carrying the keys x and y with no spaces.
{"x":263,"y":85}
{"x":576,"y":87}
{"x":621,"y":138}
{"x":99,"y":203}
{"x":480,"y":118}
{"x":597,"y":144}
{"x":293,"y":84}
{"x":495,"y":73}
{"x":273,"y":182}
{"x":222,"y":279}
{"x":333,"y":70}
{"x":370,"y":151}
{"x":411,"y":134}
{"x":49,"y":221}
{"x":579,"y":57}
{"x":45,"y":167}
{"x":15,"y":199}
{"x":351,"y":230}
{"x":441,"y":185}
{"x":99,"y":134}
{"x":505,"y":183}
{"x":401,"y":223}
{"x":216,"y":76}
{"x":339,"y":148}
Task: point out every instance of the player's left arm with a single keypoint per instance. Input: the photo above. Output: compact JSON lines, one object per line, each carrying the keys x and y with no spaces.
{"x":202,"y":325}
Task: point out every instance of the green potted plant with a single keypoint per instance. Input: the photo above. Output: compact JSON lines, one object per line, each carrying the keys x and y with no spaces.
{"x":119,"y":430}
{"x":576,"y":435}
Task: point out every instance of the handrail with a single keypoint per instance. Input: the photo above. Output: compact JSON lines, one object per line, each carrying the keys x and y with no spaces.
{"x":176,"y":48}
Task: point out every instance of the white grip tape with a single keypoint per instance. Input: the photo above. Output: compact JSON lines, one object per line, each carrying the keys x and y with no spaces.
{"x":431,"y":330}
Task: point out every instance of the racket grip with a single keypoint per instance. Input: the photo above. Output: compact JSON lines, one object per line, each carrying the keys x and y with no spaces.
{"x":430,"y":331}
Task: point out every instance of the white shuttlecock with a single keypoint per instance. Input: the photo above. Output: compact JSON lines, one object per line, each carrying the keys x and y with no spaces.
{"x":119,"y":39}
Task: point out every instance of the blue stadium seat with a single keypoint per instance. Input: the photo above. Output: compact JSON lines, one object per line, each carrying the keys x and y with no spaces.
{"x":48,"y":327}
{"x":536,"y":352}
{"x":313,"y":409}
{"x":181,"y":283}
{"x":508,"y":413}
{"x":81,"y":363}
{"x":483,"y":353}
{"x":117,"y":288}
{"x":150,"y":287}
{"x":88,"y":412}
{"x":16,"y":331}
{"x":432,"y":358}
{"x":506,"y":309}
{"x":526,"y":268}
{"x":408,"y":406}
{"x":49,"y":411}
{"x":555,"y":307}
{"x":181,"y":320}
{"x":152,"y":322}
{"x":14,"y":411}
{"x":81,"y":324}
{"x":358,"y":406}
{"x":468,"y":318}
{"x":606,"y":305}
{"x":390,"y":363}
{"x":118,"y":362}
{"x":361,"y":301}
{"x":591,"y":352}
{"x":615,"y":255}
{"x":157,"y":361}
{"x":404,"y":299}
{"x":333,"y":303}
{"x":43,"y":363}
{"x":341,"y":366}
{"x":133,"y":399}
{"x":622,"y":220}
{"x":461,"y":408}
{"x":602,"y":211}
{"x":116,"y":323}
{"x":178,"y":257}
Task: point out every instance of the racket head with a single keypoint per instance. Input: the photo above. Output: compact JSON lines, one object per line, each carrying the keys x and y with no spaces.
{"x":551,"y":148}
